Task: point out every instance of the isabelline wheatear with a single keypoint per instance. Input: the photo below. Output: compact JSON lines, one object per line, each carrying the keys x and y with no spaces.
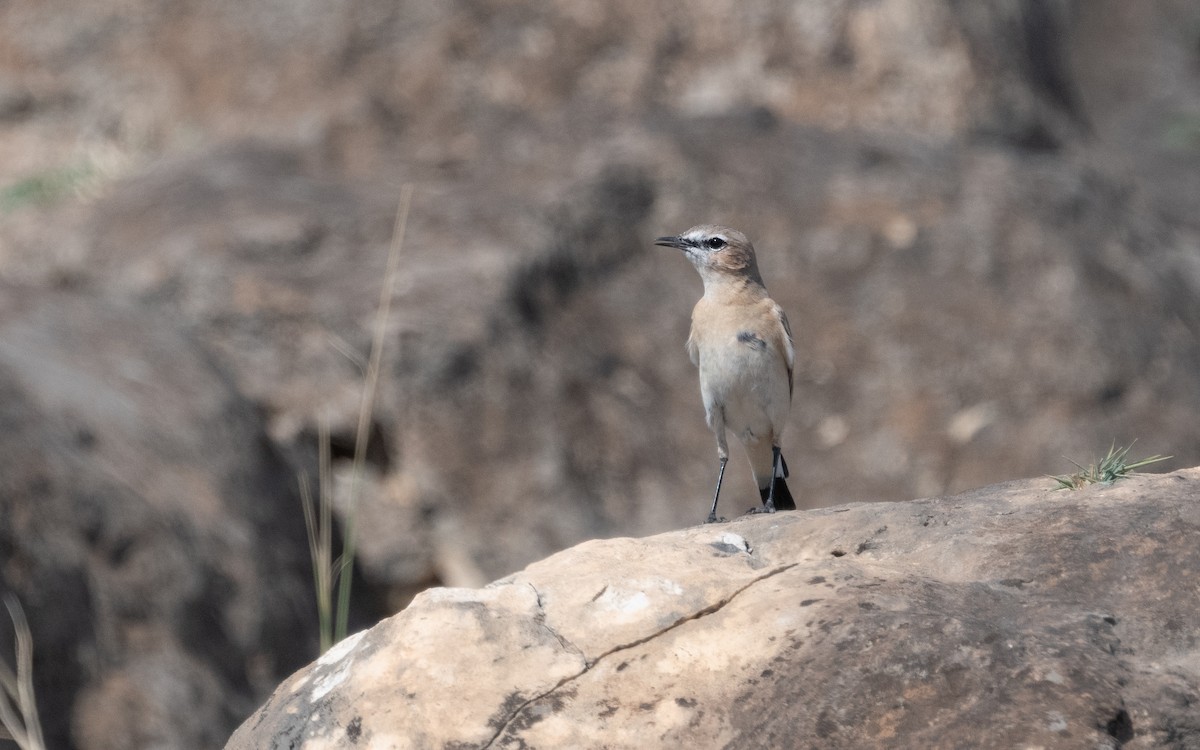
{"x":742,"y":344}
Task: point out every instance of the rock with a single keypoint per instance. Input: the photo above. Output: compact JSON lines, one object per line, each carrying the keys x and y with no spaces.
{"x":148,"y":527}
{"x":271,"y":266}
{"x":981,"y":218}
{"x":1011,"y":616}
{"x":943,"y":300}
{"x":488,"y":335}
{"x":976,"y":278}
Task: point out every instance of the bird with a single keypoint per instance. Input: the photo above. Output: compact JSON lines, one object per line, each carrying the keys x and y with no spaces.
{"x":741,"y":343}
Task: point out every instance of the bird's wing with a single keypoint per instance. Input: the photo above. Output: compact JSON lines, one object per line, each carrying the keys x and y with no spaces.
{"x":789,"y":350}
{"x":693,"y":348}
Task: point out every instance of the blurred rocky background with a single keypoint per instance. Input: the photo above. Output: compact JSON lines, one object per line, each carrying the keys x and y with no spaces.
{"x":983,"y":219}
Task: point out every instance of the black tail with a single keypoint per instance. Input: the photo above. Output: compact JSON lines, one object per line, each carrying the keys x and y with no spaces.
{"x":783,"y":497}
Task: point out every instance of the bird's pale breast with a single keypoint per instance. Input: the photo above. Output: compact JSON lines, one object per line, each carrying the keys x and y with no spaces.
{"x":743,"y":368}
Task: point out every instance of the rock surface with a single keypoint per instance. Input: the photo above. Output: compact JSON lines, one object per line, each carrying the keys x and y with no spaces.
{"x":982,"y":218}
{"x":1011,"y":616}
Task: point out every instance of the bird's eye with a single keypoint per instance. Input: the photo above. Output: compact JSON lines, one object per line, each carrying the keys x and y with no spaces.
{"x":715,"y":243}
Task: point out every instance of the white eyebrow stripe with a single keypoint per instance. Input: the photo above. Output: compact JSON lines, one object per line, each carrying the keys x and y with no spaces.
{"x":698,"y":236}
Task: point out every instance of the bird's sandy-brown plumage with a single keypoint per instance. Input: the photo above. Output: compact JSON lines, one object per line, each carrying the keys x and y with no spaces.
{"x":741,"y":342}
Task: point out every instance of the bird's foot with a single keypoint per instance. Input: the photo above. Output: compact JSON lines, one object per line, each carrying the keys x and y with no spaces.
{"x":767,"y":508}
{"x":714,"y":518}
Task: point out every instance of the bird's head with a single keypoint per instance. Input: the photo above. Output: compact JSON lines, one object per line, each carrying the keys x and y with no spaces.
{"x":716,"y":252}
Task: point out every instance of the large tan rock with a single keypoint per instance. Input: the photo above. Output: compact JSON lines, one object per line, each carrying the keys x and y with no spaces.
{"x":1013,"y":616}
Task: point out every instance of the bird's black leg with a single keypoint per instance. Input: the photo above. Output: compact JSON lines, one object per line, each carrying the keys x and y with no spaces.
{"x":775,"y":458}
{"x":712,"y":514}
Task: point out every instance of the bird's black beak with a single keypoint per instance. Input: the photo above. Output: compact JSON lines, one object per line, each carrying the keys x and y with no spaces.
{"x":675,"y":242}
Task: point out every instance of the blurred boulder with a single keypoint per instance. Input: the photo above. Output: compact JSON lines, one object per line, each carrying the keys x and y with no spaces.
{"x":150,"y":529}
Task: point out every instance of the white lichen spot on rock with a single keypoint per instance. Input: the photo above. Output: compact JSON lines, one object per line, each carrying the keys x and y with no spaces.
{"x":634,"y":596}
{"x":624,"y":601}
{"x":340,"y":649}
{"x":335,"y":656}
{"x":734,"y":540}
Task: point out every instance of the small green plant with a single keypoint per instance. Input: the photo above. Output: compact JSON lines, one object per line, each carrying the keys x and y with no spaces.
{"x":1115,"y":465}
{"x":47,"y":187}
{"x":19,"y":720}
{"x":332,"y":578}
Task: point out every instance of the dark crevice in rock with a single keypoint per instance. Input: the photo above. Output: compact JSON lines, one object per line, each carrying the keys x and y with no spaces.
{"x":711,"y":609}
{"x":1120,"y":727}
{"x":541,"y":621}
{"x":588,"y":665}
{"x":591,"y":241}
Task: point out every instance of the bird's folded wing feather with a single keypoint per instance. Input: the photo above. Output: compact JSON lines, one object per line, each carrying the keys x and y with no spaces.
{"x":789,"y":349}
{"x":693,"y":348}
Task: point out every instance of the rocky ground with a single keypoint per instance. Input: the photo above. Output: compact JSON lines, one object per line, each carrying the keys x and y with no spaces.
{"x":981,"y":219}
{"x":1011,"y":616}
